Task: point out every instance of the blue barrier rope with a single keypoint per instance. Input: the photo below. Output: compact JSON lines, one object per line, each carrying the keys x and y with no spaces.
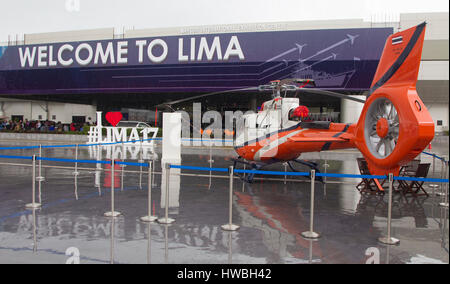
{"x":306,"y":174}
{"x":105,"y":144}
{"x":421,"y":179}
{"x":79,"y":145}
{"x":199,"y":168}
{"x":349,"y":176}
{"x":17,"y":157}
{"x":131,"y":164}
{"x":19,"y":148}
{"x":226,"y":170}
{"x":72,"y":161}
{"x":436,"y":156}
{"x":272,"y":173}
{"x":203,"y":168}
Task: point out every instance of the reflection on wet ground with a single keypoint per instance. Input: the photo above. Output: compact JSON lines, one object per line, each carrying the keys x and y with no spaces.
{"x":271,"y":213}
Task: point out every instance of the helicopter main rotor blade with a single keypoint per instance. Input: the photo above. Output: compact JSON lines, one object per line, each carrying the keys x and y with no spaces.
{"x":265,"y":88}
{"x":206,"y":95}
{"x":329,"y":93}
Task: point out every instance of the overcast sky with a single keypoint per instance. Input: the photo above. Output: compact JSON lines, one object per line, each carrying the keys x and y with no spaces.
{"x":34,"y":16}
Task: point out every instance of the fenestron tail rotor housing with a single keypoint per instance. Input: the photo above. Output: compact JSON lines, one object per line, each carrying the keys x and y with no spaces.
{"x":382,"y":127}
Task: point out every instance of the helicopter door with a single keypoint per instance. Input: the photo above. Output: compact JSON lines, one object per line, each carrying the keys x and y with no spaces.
{"x":270,"y":121}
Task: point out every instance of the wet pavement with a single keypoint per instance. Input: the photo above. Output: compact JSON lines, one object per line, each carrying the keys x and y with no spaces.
{"x":272,"y":213}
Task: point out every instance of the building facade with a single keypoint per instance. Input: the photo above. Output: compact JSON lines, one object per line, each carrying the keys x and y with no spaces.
{"x":72,"y":74}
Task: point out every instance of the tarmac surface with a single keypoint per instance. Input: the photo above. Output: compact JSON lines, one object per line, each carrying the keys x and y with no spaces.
{"x":271,"y":213}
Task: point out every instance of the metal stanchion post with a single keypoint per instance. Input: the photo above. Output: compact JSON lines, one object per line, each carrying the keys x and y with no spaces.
{"x":230,"y":226}
{"x":149,"y":244}
{"x":433,"y":185}
{"x":122,"y":166}
{"x":141,"y":161}
{"x":35,"y":246}
{"x":389,"y":240}
{"x":444,"y":202}
{"x":149,"y":217}
{"x":285,"y":170}
{"x":166,"y":244}
{"x":443,"y":173}
{"x":111,"y":252}
{"x":33,"y":204}
{"x":40,"y":177}
{"x":76,"y":187}
{"x":210,"y":161}
{"x":121,"y":176}
{"x":230,"y":248}
{"x":75,"y":173}
{"x":325,"y":166}
{"x":112,"y":213}
{"x":311,"y":234}
{"x":166,"y":219}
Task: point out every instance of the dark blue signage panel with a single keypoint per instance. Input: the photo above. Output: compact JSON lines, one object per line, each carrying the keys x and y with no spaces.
{"x":335,"y":59}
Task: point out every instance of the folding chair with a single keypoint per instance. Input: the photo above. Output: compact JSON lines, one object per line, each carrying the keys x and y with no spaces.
{"x":414,"y":187}
{"x":408,"y":170}
{"x":366,"y":185}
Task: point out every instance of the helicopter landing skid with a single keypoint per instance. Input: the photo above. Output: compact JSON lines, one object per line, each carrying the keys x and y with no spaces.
{"x":253,"y":166}
{"x":311,"y":165}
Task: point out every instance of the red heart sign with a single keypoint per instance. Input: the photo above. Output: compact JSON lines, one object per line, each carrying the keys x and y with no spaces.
{"x":114,"y":117}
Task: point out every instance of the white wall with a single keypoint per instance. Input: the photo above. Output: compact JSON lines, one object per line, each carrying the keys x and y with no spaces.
{"x":351,"y":110}
{"x":69,"y":36}
{"x":64,"y":112}
{"x":438,"y":112}
{"x":433,"y":70}
{"x":437,"y":23}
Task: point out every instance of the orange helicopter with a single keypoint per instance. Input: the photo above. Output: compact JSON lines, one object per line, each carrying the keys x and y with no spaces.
{"x":394,"y":126}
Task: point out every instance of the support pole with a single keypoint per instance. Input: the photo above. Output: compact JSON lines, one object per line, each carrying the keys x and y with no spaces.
{"x":33,"y":204}
{"x":112,"y":213}
{"x":75,"y":173}
{"x":311,"y":234}
{"x":444,"y":202}
{"x":149,"y":217}
{"x":230,"y":226}
{"x":389,"y":240}
{"x":111,"y":251}
{"x":433,"y":185}
{"x":141,"y":161}
{"x":122,"y":175}
{"x":149,"y":244}
{"x":40,"y":177}
{"x":166,"y":219}
{"x":443,"y":173}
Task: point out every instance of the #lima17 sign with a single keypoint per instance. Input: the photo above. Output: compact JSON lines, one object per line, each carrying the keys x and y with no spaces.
{"x":120,"y":134}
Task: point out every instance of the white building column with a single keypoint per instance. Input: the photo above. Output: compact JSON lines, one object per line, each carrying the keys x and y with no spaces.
{"x":351,"y":110}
